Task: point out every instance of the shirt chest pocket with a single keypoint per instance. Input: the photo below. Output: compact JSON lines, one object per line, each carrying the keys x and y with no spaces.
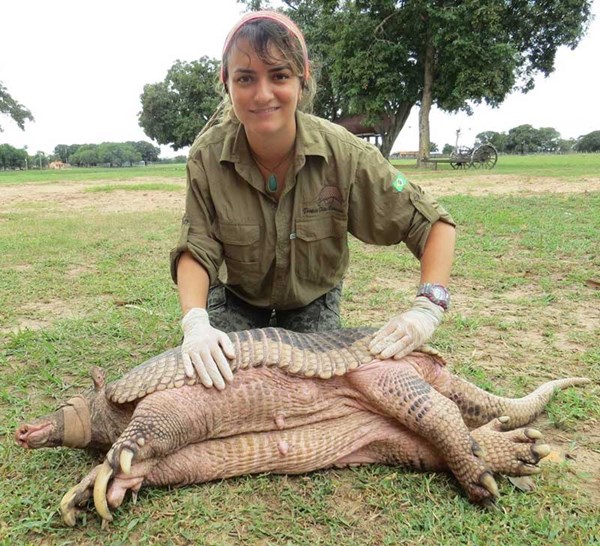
{"x":321,"y":252}
{"x":241,"y":246}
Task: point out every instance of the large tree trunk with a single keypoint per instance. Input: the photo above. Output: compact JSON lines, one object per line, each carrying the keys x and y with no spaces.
{"x":398,"y":120}
{"x":424,"y":139}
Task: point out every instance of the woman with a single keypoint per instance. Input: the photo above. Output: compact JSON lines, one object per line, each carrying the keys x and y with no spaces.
{"x":273,"y":193}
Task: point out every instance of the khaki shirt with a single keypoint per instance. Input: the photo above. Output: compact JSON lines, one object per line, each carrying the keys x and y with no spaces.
{"x":285,"y":254}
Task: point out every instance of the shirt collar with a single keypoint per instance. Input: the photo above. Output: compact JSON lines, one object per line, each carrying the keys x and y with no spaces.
{"x":309,"y":141}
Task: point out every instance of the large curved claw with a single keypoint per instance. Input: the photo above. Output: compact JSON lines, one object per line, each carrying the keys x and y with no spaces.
{"x":76,"y":497}
{"x":125,"y":459}
{"x":488,"y":481}
{"x":69,"y":503}
{"x":100,"y":485}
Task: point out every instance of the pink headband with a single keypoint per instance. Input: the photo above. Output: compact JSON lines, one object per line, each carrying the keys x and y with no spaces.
{"x":279,"y":18}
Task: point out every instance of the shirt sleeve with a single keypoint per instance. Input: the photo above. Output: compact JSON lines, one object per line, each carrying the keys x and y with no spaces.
{"x":196,"y":234}
{"x":386,"y":209}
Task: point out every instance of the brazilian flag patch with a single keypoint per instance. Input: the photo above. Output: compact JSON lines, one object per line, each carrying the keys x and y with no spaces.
{"x":399,"y":183}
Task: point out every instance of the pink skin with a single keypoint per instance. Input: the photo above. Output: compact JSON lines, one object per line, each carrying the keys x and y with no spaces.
{"x":35,"y":435}
{"x":264,"y":99}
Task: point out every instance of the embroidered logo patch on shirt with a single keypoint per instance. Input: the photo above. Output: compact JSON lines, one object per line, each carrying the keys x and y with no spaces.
{"x":399,"y":183}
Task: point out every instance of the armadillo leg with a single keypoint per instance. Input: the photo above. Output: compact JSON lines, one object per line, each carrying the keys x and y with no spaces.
{"x":400,"y":392}
{"x":158,"y":427}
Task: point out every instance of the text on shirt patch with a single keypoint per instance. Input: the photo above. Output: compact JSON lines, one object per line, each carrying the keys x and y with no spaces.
{"x":329,"y":199}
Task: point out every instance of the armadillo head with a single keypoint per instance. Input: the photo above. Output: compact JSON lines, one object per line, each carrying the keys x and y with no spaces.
{"x":68,"y":426}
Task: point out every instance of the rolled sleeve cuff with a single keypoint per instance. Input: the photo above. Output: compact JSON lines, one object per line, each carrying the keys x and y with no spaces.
{"x":184,"y":245}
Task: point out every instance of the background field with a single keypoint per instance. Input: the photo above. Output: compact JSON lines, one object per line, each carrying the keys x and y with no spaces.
{"x":84,"y":281}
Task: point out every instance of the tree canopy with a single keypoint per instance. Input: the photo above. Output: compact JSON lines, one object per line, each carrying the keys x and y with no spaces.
{"x":14,"y":110}
{"x":174,"y":110}
{"x":113,"y":153}
{"x":589,"y":142}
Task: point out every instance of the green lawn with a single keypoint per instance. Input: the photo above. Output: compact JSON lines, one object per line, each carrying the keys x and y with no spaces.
{"x":563,"y":166}
{"x":78,"y":290}
{"x":81,"y":174}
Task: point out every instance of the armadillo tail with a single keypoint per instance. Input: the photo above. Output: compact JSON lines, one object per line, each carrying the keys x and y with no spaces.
{"x":479,"y":407}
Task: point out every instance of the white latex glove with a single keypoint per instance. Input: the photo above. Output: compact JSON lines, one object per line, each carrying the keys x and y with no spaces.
{"x":408,"y":331}
{"x":206,"y":350}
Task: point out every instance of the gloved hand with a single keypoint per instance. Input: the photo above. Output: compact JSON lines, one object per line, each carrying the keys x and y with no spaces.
{"x":408,"y":331}
{"x":206,"y":350}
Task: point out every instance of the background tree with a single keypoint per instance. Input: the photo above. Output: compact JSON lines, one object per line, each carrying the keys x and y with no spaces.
{"x":39,"y":160}
{"x":14,"y":110}
{"x":12,"y":158}
{"x":498,"y":140}
{"x":447,"y":149}
{"x":175,"y":110}
{"x":148,"y":152}
{"x":85,"y":156}
{"x":522,"y":139}
{"x":589,"y":142}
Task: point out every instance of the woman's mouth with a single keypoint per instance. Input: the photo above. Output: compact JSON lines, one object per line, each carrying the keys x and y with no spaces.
{"x":265,"y":111}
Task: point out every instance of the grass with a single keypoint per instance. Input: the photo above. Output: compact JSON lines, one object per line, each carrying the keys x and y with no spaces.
{"x":80,"y":290}
{"x":77,"y":174}
{"x":553,"y":166}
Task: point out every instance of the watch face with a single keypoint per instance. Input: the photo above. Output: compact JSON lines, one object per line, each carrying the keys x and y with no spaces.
{"x":439,"y":293}
{"x":436,"y":293}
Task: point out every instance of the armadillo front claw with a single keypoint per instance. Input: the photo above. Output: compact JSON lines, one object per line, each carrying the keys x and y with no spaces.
{"x":76,"y":497}
{"x":100,"y":485}
{"x":125,"y":459}
{"x":70,"y":502}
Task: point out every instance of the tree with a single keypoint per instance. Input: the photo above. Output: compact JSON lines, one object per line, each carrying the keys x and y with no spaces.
{"x":12,"y":158}
{"x":497,"y":140}
{"x":39,"y":160}
{"x":433,"y":147}
{"x":549,"y":139}
{"x":175,"y":110}
{"x":14,"y":110}
{"x":147,"y":151}
{"x":85,"y":156}
{"x":589,"y":142}
{"x":381,"y":57}
{"x":523,"y":139}
{"x":116,"y":154}
{"x":447,"y":149}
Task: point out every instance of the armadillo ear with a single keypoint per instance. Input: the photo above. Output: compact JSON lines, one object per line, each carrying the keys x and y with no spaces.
{"x":98,"y":377}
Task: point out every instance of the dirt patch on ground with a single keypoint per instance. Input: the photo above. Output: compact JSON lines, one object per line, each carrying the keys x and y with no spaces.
{"x":508,"y":184}
{"x":76,"y":196}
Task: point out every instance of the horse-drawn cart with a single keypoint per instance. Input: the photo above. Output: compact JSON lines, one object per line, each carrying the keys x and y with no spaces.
{"x":482,"y":157}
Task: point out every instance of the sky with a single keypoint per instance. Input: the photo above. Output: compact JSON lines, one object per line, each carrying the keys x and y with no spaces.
{"x":81,"y":67}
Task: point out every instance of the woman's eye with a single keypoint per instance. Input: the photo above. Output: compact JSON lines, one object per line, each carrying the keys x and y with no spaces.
{"x":281,"y":76}
{"x":244,"y":79}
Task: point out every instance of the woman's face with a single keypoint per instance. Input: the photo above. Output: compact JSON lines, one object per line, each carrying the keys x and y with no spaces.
{"x":264,"y":96}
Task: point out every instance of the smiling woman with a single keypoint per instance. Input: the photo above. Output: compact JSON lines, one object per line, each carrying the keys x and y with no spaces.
{"x":273,"y":193}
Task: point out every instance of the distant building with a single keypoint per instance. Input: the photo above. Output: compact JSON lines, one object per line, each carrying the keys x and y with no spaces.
{"x":57,"y":165}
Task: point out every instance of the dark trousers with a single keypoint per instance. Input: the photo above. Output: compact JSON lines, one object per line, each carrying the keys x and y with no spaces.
{"x":229,"y":313}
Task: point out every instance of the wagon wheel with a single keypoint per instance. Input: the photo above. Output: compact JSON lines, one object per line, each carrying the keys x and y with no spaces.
{"x":461,"y":158}
{"x":485,"y":157}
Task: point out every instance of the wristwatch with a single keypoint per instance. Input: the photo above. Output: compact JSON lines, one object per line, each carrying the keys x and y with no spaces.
{"x":435,"y":293}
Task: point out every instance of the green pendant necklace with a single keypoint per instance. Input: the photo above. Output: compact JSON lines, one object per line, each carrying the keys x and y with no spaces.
{"x":272,"y":184}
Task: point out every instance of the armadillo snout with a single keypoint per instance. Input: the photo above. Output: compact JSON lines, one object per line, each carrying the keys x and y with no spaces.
{"x":34,"y":436}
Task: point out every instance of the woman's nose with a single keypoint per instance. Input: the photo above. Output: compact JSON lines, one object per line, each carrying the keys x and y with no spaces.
{"x":264,"y":91}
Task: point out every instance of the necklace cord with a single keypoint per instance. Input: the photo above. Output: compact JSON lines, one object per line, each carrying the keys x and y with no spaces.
{"x":272,"y":184}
